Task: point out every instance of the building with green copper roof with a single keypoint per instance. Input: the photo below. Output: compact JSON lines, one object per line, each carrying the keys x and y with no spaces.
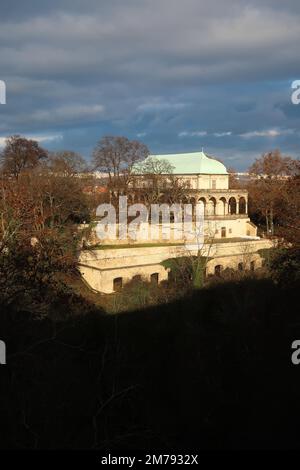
{"x":193,"y":163}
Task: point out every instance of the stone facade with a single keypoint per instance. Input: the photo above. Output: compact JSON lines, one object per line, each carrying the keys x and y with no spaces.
{"x":100,"y":268}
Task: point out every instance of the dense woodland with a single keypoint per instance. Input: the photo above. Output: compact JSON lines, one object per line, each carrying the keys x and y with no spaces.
{"x":183,"y":367}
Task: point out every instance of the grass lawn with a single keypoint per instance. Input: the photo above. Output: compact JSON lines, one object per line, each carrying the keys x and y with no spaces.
{"x":153,"y":245}
{"x":134,"y":245}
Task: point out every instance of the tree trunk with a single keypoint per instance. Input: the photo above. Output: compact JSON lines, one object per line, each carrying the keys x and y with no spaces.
{"x":271,"y":221}
{"x":198,"y":273}
{"x":267,"y":223}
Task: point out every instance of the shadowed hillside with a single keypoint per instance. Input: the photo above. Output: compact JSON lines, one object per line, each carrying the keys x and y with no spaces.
{"x":211,"y":370}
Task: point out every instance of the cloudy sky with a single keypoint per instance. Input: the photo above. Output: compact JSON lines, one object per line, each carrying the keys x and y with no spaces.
{"x":178,"y":75}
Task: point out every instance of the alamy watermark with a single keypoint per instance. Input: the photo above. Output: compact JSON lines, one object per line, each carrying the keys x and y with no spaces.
{"x":295,"y":358}
{"x":158,"y":222}
{"x":2,"y":352}
{"x":296,"y":94}
{"x":2,"y":92}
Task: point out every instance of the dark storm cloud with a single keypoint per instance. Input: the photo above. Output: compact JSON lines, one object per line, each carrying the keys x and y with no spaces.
{"x":178,"y":75}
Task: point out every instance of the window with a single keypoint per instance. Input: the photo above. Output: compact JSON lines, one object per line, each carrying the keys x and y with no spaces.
{"x":241,"y":267}
{"x":230,"y":230}
{"x":154,"y":278}
{"x":118,"y":283}
{"x":223,"y":232}
{"x":213,"y":184}
{"x":137,"y":278}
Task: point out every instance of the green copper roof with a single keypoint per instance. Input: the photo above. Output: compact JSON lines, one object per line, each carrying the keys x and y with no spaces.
{"x":193,"y":163}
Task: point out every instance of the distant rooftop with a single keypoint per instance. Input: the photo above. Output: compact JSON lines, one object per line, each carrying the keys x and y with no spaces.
{"x":193,"y":163}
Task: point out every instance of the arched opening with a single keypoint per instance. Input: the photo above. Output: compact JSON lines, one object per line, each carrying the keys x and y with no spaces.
{"x":242,"y":205}
{"x":203,"y":201}
{"x":241,"y":266}
{"x":218,"y":269}
{"x":184,"y":202}
{"x":222,"y":205}
{"x":117,"y":283}
{"x":211,"y":208}
{"x":232,"y":205}
{"x":154,"y":278}
{"x":252,"y":265}
{"x":193,"y":201}
{"x":137,"y":278}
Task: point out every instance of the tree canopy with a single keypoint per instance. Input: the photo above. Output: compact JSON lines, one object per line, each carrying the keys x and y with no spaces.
{"x":21,"y":154}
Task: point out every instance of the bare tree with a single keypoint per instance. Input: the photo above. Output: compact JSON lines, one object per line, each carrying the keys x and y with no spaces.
{"x":190,"y":263}
{"x":274,"y":165}
{"x":273,"y":173}
{"x":155,"y":182}
{"x":117,"y":156}
{"x":67,"y":163}
{"x":20,"y":154}
{"x":233,"y":180}
{"x":38,"y":237}
{"x":288,"y":211}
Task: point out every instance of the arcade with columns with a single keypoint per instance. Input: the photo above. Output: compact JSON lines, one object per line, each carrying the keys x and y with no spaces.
{"x":207,"y":180}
